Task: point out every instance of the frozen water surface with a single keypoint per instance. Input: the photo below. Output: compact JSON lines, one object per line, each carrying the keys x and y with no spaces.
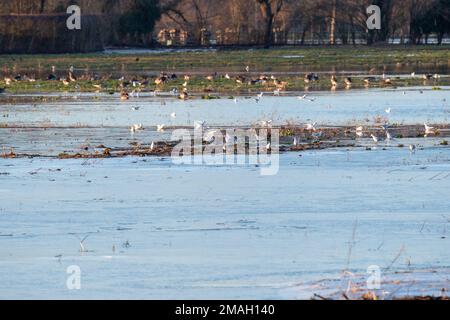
{"x":160,"y":230}
{"x":409,"y":106}
{"x":219,"y":232}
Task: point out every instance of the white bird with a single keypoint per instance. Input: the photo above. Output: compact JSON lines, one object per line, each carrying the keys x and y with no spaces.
{"x":276,"y":92}
{"x":268,"y":146}
{"x":429,"y":130}
{"x":412,"y":148}
{"x":82,"y":247}
{"x":152,"y":146}
{"x":199,"y":125}
{"x":388,"y":110}
{"x":227,"y":76}
{"x":247,"y":68}
{"x":374,"y":138}
{"x":311,"y":126}
{"x":210,"y":136}
{"x":135,"y":108}
{"x":295,"y":141}
{"x":173,"y":115}
{"x":160,"y":127}
{"x":185,"y":84}
{"x":359,"y":131}
{"x":388,"y":136}
{"x":305,"y":97}
{"x":265,"y":123}
{"x":136,"y":127}
{"x":413,"y":74}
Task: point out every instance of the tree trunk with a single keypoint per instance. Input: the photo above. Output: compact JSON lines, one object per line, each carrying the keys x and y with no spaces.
{"x":333,"y":23}
{"x":266,"y":11}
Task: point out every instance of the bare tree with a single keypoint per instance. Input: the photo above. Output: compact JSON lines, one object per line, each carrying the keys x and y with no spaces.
{"x":269,"y":10}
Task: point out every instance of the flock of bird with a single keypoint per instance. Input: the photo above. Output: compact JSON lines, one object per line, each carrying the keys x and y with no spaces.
{"x":130,"y":88}
{"x":137,"y":85}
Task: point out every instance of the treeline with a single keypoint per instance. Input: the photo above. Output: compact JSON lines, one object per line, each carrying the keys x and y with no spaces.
{"x":32,"y":26}
{"x":39,"y":25}
{"x":267,"y":22}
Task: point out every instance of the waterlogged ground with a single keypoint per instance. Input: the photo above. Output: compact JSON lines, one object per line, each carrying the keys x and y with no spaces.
{"x":221,"y":232}
{"x":159,"y":230}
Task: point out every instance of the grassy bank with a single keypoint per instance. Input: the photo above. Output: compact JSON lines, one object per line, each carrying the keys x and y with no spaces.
{"x":287,"y":63}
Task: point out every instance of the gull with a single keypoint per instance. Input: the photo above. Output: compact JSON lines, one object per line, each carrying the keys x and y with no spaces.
{"x":160,"y":127}
{"x":388,"y":110}
{"x":269,"y":146}
{"x":235,"y":100}
{"x":385,"y":127}
{"x":185,"y":84}
{"x":276,"y":92}
{"x":374,"y":138}
{"x":305,"y":97}
{"x":295,"y":141}
{"x":227,"y":76}
{"x":311,"y":126}
{"x":359,"y":131}
{"x":136,"y":127}
{"x":173,"y":115}
{"x":210,"y":136}
{"x":265,"y":123}
{"x":388,"y":136}
{"x":429,"y":130}
{"x":135,"y":108}
{"x":82,"y":247}
{"x":199,"y":125}
{"x":152,"y":146}
{"x":413,"y":74}
{"x":259,"y":97}
{"x":247,"y":68}
{"x":412,"y":148}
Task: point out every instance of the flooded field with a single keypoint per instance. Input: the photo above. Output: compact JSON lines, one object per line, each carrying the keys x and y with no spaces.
{"x":156,"y":229}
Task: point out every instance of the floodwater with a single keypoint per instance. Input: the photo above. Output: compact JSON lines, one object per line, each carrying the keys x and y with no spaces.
{"x":164,"y":231}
